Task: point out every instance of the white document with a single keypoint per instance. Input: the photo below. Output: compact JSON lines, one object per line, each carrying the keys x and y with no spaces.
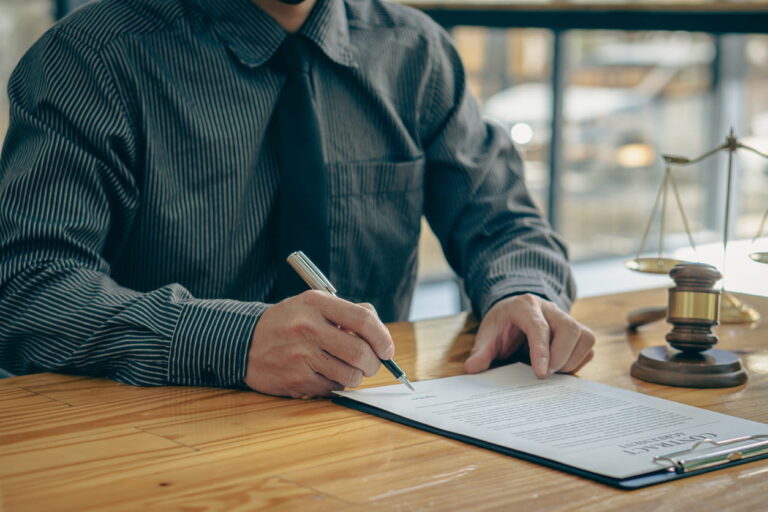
{"x":591,"y":426}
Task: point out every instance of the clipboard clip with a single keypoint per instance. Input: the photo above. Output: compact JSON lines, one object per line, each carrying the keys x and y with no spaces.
{"x":716,"y":453}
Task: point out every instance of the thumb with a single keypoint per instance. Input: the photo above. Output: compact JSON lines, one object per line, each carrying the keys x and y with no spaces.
{"x":483,"y":351}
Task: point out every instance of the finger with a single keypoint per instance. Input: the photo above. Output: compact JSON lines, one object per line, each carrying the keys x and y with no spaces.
{"x":368,"y":306}
{"x":484,"y":349}
{"x":495,"y":341}
{"x":566,"y":333}
{"x":590,"y":355}
{"x":336,"y":370}
{"x":580,"y":353}
{"x":358,"y":319}
{"x":581,"y":364}
{"x":537,"y":331}
{"x":349,"y":349}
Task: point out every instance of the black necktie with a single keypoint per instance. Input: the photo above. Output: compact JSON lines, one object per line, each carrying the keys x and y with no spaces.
{"x":302,"y":210}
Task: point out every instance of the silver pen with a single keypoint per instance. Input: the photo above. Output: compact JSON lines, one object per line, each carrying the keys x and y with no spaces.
{"x":317,"y":281}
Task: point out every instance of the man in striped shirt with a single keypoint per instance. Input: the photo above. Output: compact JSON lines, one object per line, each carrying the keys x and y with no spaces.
{"x":137,"y":192}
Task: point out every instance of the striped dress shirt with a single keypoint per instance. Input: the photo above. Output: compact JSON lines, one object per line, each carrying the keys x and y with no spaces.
{"x":139,"y":172}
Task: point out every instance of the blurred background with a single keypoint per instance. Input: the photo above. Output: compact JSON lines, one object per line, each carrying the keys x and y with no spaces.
{"x":592,"y":101}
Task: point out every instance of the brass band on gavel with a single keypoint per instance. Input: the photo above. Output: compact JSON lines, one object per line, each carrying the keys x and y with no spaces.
{"x":694,"y":307}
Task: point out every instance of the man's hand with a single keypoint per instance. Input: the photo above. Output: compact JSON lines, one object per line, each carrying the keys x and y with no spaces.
{"x":557,"y":342}
{"x":314,"y":343}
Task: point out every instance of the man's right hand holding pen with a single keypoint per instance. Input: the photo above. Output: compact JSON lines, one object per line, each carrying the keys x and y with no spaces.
{"x":304,"y":347}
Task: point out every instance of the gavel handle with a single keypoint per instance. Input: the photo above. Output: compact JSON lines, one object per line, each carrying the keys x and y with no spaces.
{"x":642,"y":316}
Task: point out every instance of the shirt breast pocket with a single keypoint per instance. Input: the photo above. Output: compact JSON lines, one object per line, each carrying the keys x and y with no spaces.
{"x":375,"y":220}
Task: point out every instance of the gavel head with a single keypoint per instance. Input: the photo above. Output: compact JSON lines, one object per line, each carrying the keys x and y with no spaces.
{"x":694,"y":307}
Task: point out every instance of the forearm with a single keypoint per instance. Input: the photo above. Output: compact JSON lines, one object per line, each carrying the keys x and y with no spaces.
{"x":525,"y":262}
{"x":63,"y":317}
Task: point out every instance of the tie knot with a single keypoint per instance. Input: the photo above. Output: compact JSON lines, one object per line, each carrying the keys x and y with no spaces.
{"x":293,"y":55}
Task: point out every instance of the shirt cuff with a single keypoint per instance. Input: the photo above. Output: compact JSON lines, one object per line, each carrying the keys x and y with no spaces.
{"x":508,"y":288}
{"x":210,"y":344}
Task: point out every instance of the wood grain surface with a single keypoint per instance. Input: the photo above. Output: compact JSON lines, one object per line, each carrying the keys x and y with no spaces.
{"x":78,"y":443}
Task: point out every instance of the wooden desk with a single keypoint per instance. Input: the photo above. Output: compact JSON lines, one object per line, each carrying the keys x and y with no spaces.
{"x":74,"y":443}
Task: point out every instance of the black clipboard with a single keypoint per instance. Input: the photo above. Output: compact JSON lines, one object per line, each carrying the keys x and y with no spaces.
{"x":703,"y":457}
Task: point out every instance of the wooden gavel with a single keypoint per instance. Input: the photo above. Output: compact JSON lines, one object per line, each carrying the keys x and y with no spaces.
{"x":690,"y":359}
{"x":694,"y":307}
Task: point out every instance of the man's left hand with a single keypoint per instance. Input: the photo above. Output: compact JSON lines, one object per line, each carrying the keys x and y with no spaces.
{"x":556,"y":342}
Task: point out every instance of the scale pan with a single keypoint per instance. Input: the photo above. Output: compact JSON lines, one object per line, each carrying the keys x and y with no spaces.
{"x":760,"y":257}
{"x":652,"y":265}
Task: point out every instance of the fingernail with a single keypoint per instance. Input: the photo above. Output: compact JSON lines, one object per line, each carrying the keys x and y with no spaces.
{"x":389,"y":352}
{"x":542,"y":366}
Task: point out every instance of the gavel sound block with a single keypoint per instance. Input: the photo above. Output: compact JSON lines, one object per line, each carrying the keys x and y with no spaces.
{"x":690,"y":360}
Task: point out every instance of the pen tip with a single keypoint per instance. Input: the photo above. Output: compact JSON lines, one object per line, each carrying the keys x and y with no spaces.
{"x":403,"y":378}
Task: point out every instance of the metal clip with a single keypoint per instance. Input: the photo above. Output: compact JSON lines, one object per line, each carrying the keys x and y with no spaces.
{"x":739,"y":448}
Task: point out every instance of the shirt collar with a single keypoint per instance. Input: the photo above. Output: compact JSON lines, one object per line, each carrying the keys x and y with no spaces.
{"x":254,"y":36}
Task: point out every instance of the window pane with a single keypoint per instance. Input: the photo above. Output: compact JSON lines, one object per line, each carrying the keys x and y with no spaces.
{"x":21,"y":23}
{"x":509,"y":71}
{"x":754,"y":179}
{"x":630,"y":96}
